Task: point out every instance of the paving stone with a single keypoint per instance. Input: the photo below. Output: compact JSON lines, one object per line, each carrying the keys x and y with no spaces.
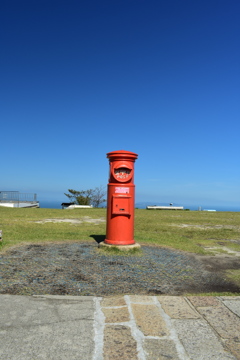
{"x":233,"y":305}
{"x":228,"y":297}
{"x":200,"y":341}
{"x":149,"y":320}
{"x":47,"y":327}
{"x":234,"y":346}
{"x":119,"y":343}
{"x":113,"y":301}
{"x":203,"y":301}
{"x":177,"y":307}
{"x":223,"y":321}
{"x":141,"y":299}
{"x":157,"y":349}
{"x":113,"y":315}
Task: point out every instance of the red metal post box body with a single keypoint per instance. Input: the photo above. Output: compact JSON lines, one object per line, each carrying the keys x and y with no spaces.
{"x":121,"y":198}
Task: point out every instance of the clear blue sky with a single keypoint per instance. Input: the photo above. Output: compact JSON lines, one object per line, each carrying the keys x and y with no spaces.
{"x":159,"y":78}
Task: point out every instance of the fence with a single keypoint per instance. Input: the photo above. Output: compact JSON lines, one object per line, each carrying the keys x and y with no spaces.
{"x":16,"y":197}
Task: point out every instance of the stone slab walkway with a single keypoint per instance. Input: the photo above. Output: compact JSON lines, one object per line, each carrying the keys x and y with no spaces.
{"x":127,"y":327}
{"x":168,"y":327}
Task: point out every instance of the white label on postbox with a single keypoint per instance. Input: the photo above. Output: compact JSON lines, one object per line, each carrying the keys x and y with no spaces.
{"x":121,"y":190}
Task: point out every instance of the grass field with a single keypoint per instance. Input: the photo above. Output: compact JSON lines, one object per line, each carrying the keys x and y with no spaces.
{"x":193,"y":231}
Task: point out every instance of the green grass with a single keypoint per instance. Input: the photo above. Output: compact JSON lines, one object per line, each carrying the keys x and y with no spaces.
{"x":187,"y":230}
{"x":191,"y":231}
{"x":19,"y":225}
{"x":234,"y":275}
{"x":113,"y":250}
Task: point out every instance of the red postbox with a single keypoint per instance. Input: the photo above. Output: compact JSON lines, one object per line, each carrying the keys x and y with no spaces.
{"x":121,"y":198}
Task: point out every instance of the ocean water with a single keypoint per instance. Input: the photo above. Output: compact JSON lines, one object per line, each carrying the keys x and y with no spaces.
{"x":51,"y":204}
{"x":54,"y":204}
{"x":194,"y":207}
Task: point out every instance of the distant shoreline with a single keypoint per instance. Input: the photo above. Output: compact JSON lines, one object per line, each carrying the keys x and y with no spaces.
{"x":142,"y":205}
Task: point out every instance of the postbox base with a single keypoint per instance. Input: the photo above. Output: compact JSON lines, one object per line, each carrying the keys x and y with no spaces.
{"x":120,"y":247}
{"x":119,"y":242}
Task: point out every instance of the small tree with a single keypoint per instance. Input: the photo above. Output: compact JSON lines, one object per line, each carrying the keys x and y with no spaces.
{"x":98,"y":196}
{"x":87,"y":197}
{"x":79,"y":197}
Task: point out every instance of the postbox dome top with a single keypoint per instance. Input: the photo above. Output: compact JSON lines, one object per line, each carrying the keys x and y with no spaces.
{"x":122,"y":155}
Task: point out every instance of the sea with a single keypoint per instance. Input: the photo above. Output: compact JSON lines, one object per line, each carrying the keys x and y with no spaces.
{"x":54,"y":204}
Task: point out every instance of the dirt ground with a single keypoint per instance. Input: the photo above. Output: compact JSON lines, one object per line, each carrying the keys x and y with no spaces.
{"x":83,"y":269}
{"x":218,"y":264}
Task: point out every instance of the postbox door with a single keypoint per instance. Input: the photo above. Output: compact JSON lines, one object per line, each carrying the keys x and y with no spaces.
{"x":121,"y":205}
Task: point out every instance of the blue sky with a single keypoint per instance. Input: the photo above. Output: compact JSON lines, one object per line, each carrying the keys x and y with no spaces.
{"x":159,"y":78}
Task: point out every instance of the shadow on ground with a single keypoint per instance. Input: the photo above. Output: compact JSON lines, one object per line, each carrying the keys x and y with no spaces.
{"x":98,"y":238}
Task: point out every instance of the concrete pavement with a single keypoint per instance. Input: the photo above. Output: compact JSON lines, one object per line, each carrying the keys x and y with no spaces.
{"x":128,"y":327}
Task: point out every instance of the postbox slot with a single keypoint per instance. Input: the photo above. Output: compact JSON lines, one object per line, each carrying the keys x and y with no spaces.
{"x":122,"y":171}
{"x":121,"y":205}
